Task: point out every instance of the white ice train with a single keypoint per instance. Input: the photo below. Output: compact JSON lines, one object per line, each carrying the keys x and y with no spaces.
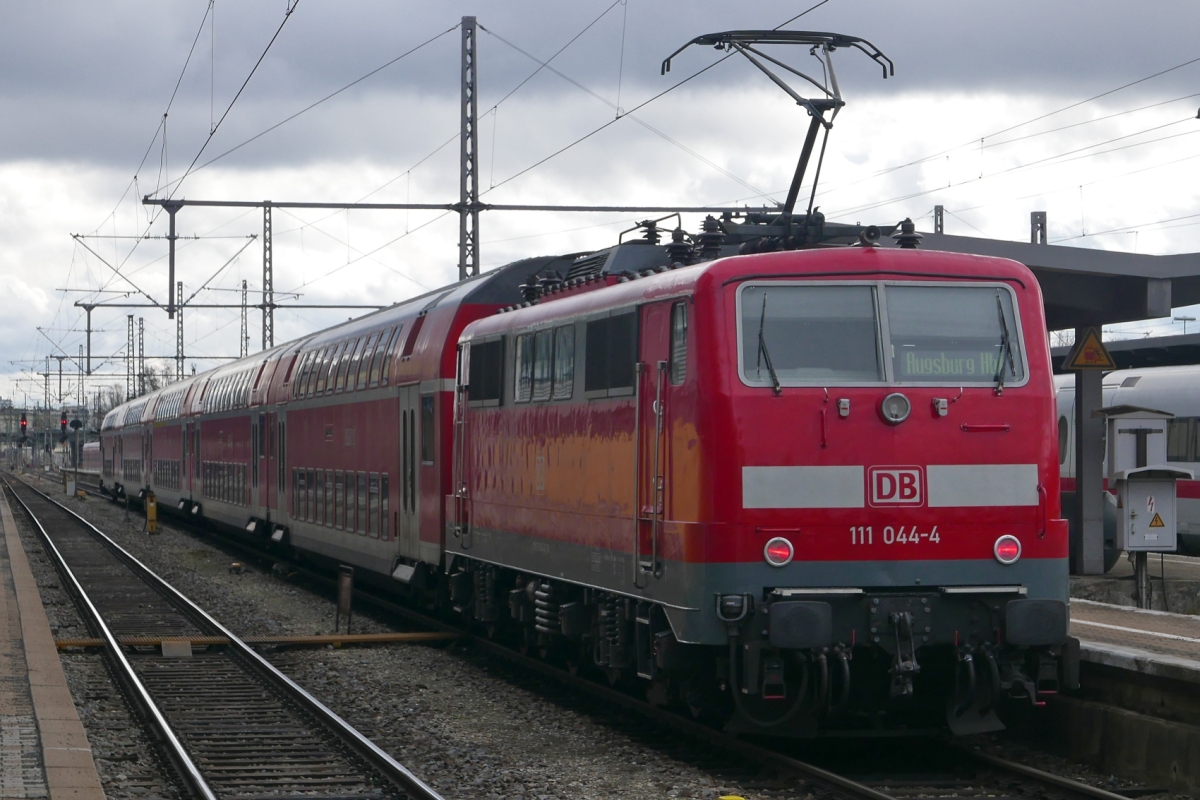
{"x":1172,"y":389}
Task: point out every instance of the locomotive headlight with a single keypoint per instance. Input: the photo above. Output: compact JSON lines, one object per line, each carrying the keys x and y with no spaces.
{"x":1007,"y":549}
{"x":778,"y":552}
{"x":895,"y":408}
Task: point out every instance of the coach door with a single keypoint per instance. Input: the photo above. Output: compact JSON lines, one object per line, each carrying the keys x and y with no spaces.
{"x":407,"y":528}
{"x":651,"y":383}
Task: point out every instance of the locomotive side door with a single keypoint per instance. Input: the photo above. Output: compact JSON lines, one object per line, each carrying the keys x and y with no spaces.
{"x":407,"y":527}
{"x":651,"y":460}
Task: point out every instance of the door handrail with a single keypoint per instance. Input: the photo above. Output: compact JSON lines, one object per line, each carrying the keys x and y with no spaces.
{"x":638,"y":369}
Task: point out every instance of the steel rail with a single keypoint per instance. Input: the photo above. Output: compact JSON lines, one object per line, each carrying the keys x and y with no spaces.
{"x":364,"y":747}
{"x":179,"y":757}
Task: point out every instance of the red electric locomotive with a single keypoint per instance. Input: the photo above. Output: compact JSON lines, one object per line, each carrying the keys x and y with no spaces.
{"x":787,"y":490}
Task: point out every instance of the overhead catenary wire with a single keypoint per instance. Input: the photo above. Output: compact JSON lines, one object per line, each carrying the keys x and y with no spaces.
{"x":638,"y":107}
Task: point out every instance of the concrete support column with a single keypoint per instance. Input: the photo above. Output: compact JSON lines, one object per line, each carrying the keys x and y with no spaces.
{"x":1087,"y":551}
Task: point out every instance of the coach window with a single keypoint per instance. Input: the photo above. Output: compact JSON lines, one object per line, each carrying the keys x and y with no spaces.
{"x":427,"y":428}
{"x":319,"y":512}
{"x":411,"y":342}
{"x":564,"y":362}
{"x":523,"y":369}
{"x":311,"y":502}
{"x":543,"y":344}
{"x":363,"y":523}
{"x":364,"y":363}
{"x":344,"y":364}
{"x":339,"y":500}
{"x":611,"y":352}
{"x":373,"y":509}
{"x":322,"y":372}
{"x":485,"y":373}
{"x":1179,"y":436}
{"x":383,"y":507}
{"x":355,"y":365}
{"x":386,"y":367}
{"x":377,"y":358}
{"x":351,"y":501}
{"x":678,"y":343}
{"x":331,"y":366}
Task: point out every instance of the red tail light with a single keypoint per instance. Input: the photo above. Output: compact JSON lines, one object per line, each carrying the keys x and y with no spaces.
{"x":1007,"y":549}
{"x":778,"y":552}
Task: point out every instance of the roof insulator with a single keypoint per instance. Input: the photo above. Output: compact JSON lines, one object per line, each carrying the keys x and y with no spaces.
{"x":907,"y":238}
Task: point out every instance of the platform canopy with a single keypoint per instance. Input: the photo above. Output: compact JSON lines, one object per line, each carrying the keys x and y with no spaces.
{"x":1083,"y":287}
{"x":1151,"y":351}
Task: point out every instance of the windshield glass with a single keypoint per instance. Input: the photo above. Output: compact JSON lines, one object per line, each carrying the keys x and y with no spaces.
{"x":826,"y":334}
{"x":944,"y":334}
{"x":809,"y":334}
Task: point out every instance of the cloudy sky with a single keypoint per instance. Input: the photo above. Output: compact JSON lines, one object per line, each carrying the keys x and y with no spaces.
{"x":995,"y":110}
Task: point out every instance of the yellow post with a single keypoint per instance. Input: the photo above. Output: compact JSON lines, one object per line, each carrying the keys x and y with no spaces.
{"x":151,"y":513}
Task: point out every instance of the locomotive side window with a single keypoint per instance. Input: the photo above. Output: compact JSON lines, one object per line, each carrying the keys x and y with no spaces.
{"x":564,"y":362}
{"x":678,"y":343}
{"x":809,"y":333}
{"x":611,"y":353}
{"x":954,"y":333}
{"x":543,"y":343}
{"x":523,"y":391}
{"x":486,"y":372}
{"x":1064,"y":431}
{"x":427,"y":428}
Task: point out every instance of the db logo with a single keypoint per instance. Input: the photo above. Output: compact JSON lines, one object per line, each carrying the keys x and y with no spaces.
{"x":895,"y":486}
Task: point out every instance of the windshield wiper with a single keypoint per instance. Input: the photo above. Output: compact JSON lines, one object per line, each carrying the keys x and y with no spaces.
{"x":1006,"y":353}
{"x":763,"y":353}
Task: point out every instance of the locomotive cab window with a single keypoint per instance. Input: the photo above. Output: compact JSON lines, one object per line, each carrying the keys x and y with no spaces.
{"x":806,"y":334}
{"x":821,"y":334}
{"x":611,"y":352}
{"x":954,"y":333}
{"x":485,"y":373}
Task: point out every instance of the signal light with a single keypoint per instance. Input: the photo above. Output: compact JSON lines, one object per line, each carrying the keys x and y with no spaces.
{"x":1007,"y":549}
{"x":778,"y":552}
{"x":62,"y":422}
{"x":24,"y":423}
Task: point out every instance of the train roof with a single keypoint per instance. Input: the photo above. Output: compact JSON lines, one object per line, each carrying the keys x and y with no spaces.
{"x":848,"y":262}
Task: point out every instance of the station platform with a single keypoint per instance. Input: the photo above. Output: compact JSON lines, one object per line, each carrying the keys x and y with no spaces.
{"x":44,"y":750}
{"x":1181,"y":574}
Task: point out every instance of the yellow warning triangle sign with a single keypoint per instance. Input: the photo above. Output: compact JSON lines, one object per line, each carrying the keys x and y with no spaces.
{"x":1157,"y":521}
{"x":1090,"y":353}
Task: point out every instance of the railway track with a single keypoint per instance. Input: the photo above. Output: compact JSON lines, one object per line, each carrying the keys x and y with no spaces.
{"x":231,"y":724}
{"x":933,"y":769}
